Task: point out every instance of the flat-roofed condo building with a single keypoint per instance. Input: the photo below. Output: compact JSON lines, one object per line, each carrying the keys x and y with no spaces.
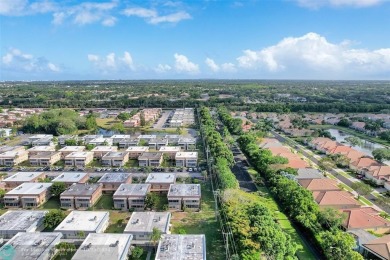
{"x":160,"y":182}
{"x":115,"y":159}
{"x":186,"y":159}
{"x":28,"y":195}
{"x":72,"y":177}
{"x":131,"y":196}
{"x":79,"y":159}
{"x":111,"y":181}
{"x":21,"y":177}
{"x":81,"y":195}
{"x":31,"y":246}
{"x":70,"y":149}
{"x":184,"y":196}
{"x":78,"y":224}
{"x":12,"y":158}
{"x":44,"y":158}
{"x":104,"y":246}
{"x":141,"y":224}
{"x":181,"y":247}
{"x":15,"y":221}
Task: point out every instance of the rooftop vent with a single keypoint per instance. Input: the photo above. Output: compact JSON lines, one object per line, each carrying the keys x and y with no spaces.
{"x":115,"y":244}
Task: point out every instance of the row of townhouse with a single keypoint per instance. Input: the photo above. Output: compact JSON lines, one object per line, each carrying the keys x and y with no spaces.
{"x":77,"y":156}
{"x":125,"y":141}
{"x":8,"y":117}
{"x":148,"y":114}
{"x":22,"y":228}
{"x":25,"y":190}
{"x":359,"y":162}
{"x":182,"y":117}
{"x":361,"y":221}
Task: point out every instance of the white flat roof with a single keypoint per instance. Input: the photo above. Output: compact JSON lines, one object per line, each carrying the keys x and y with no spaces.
{"x":82,"y":221}
{"x":104,"y":246}
{"x":114,"y":177}
{"x":104,"y":148}
{"x":41,"y":148}
{"x":78,"y":155}
{"x":40,"y":136}
{"x":181,"y":247}
{"x":184,"y":190}
{"x":30,"y":188}
{"x":120,"y":136}
{"x":20,"y":220}
{"x":101,"y":140}
{"x":138,"y":189}
{"x":147,"y":136}
{"x":146,"y":221}
{"x":72,"y":149}
{"x":186,"y":155}
{"x":170,"y":149}
{"x":23,"y":176}
{"x":137,"y":149}
{"x":70,"y":177}
{"x":11,"y":154}
{"x":161,"y":178}
{"x":30,"y":245}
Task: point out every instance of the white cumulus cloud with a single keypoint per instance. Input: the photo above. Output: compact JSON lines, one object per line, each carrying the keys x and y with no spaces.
{"x":16,"y":60}
{"x":314,"y":53}
{"x":153,"y":17}
{"x":183,"y":64}
{"x":162,"y":68}
{"x":212,"y":65}
{"x":23,"y":7}
{"x":111,"y":62}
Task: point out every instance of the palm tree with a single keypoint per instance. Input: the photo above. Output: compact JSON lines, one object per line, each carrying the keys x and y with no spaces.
{"x":155,"y":237}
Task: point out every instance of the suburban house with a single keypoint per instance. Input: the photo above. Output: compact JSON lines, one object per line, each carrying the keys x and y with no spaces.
{"x":365,"y":218}
{"x":379,"y":248}
{"x":147,"y":138}
{"x":181,"y":246}
{"x":12,"y":158}
{"x":136,"y":151}
{"x":141,"y":224}
{"x":15,"y":221}
{"x":72,"y":177}
{"x":335,"y":199}
{"x":187,"y":143}
{"x":184,"y":196}
{"x":70,"y":149}
{"x":378,"y":174}
{"x":28,"y":195}
{"x":186,"y":159}
{"x":111,"y":181}
{"x":104,"y":246}
{"x":39,"y":149}
{"x":21,"y":177}
{"x":157,"y":143}
{"x":79,"y":159}
{"x":45,"y":158}
{"x":115,"y":159}
{"x":170,"y":151}
{"x":363,"y":163}
{"x":100,"y":151}
{"x":359,"y":126}
{"x":324,"y":184}
{"x":153,"y":159}
{"x":81,"y":195}
{"x":160,"y":182}
{"x":131,"y":196}
{"x":78,"y":224}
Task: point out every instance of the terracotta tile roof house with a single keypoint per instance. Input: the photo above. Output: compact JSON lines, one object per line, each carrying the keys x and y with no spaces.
{"x":341,"y":149}
{"x":328,"y":146}
{"x":362,"y":163}
{"x":354,"y":155}
{"x":364,"y":218}
{"x":319,"y":184}
{"x":379,"y":247}
{"x":335,"y":199}
{"x":379,"y":174}
{"x":279,"y":150}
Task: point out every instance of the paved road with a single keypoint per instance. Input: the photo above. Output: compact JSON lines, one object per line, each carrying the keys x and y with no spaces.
{"x":343,"y":179}
{"x":240,"y":170}
{"x":162,"y":120}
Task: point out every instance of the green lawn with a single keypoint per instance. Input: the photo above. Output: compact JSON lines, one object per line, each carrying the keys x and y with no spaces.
{"x":118,"y":221}
{"x":64,"y":255}
{"x":132,"y":163}
{"x":106,"y":123}
{"x":303,"y":252}
{"x":203,"y":222}
{"x":104,"y":203}
{"x":52,"y":203}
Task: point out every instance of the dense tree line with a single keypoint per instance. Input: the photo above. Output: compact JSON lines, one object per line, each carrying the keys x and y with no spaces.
{"x":233,"y":124}
{"x":299,"y":205}
{"x":225,"y":175}
{"x":58,"y":122}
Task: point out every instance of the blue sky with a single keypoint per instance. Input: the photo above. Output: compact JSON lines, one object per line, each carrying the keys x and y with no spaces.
{"x":254,"y":39}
